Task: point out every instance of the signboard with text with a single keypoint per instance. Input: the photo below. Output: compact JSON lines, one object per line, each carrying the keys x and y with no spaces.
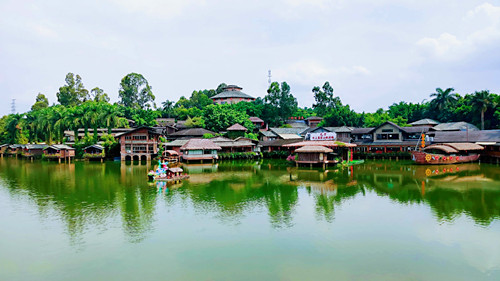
{"x":321,"y":136}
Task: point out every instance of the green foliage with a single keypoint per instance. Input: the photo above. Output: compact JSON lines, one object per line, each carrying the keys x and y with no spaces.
{"x":135,"y":92}
{"x":342,"y":115}
{"x":381,"y":116}
{"x":276,"y":154}
{"x":40,"y":103}
{"x":325,"y":99}
{"x":220,"y":117}
{"x":282,"y":103}
{"x":253,"y":136}
{"x":238,"y":155}
{"x":73,"y":93}
{"x":286,"y":126}
{"x":409,"y":111}
{"x":98,"y":95}
{"x":195,"y":122}
{"x":208,"y":136}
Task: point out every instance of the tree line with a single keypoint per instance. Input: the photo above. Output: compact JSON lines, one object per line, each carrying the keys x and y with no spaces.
{"x":78,"y":107}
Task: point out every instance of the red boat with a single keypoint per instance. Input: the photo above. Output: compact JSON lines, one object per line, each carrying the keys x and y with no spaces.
{"x":447,"y":153}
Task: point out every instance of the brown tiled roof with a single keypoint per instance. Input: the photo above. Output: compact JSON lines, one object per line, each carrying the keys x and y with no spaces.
{"x":314,"y":149}
{"x":192,"y":132}
{"x":256,"y":119}
{"x":195,"y":144}
{"x":444,"y":148}
{"x":314,"y":118}
{"x":237,"y":127}
{"x":321,"y":143}
{"x":361,"y":130}
{"x":464,"y":136}
{"x":278,"y":142}
{"x":464,"y":146}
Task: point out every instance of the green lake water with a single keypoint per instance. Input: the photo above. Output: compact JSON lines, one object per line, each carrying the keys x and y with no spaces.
{"x":249,"y":221}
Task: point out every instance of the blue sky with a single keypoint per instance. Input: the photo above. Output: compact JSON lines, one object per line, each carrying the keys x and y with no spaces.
{"x":374,"y":53}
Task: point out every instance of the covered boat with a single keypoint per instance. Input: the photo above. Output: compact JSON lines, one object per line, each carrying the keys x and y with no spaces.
{"x":447,"y":153}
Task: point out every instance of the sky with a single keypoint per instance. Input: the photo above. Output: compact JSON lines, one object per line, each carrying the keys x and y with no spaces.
{"x":373,"y":53}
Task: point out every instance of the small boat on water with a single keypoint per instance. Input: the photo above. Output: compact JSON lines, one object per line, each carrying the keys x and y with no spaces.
{"x":164,"y":173}
{"x":447,"y":153}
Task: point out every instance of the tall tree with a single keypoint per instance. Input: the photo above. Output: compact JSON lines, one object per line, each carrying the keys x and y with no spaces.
{"x":220,"y":88}
{"x":280,"y":98}
{"x":324,"y":99}
{"x":135,"y":92}
{"x":442,"y":103}
{"x":482,"y":101}
{"x":73,"y":93}
{"x":40,"y":102}
{"x":168,"y":108}
{"x":98,"y":95}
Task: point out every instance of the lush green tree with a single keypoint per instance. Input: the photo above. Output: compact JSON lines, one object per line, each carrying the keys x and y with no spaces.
{"x":443,"y":102}
{"x":195,"y":122}
{"x":409,"y":111}
{"x":135,"y":92}
{"x":15,"y":125}
{"x":381,"y":116}
{"x":220,"y":117}
{"x":341,"y":115}
{"x":220,"y":88}
{"x":482,"y":101}
{"x":98,"y":95}
{"x":324,"y":99}
{"x":40,"y":102}
{"x":168,"y":108}
{"x":283,"y":103}
{"x":73,"y":93}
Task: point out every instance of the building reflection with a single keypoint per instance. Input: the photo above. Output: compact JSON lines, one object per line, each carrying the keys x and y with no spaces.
{"x":86,"y":195}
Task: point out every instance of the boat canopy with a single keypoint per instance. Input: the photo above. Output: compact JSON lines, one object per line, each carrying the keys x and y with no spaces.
{"x":444,"y":148}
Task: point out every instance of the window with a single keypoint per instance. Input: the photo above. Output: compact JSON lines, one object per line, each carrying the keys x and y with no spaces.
{"x":381,"y":136}
{"x":393,"y":136}
{"x":387,"y":130}
{"x":128,"y":137}
{"x":140,"y":137}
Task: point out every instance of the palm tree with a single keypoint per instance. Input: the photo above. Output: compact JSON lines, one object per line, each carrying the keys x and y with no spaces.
{"x":483,"y":100}
{"x":443,"y":99}
{"x":168,"y":106}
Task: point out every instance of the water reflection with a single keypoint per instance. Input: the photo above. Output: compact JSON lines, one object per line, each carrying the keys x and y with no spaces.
{"x":86,"y":195}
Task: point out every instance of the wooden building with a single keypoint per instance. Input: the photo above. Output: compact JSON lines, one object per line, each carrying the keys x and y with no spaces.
{"x":59,"y":152}
{"x":258,"y":123}
{"x":313,"y":121}
{"x":387,"y":138}
{"x":190,"y":134}
{"x":3,"y":149}
{"x":232,"y":94}
{"x":171,"y":156}
{"x":32,"y":151}
{"x":317,"y":154}
{"x":14,"y":150}
{"x":237,"y":145}
{"x":95,"y":151}
{"x":200,"y":150}
{"x":139,"y":144}
{"x":342,"y":151}
{"x":236,"y":131}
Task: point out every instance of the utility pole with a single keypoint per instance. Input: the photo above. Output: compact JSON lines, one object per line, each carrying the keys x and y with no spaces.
{"x":269,"y":77}
{"x":13,"y":106}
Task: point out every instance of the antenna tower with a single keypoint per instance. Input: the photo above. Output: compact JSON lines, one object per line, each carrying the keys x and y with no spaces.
{"x":269,"y":77}
{"x":13,"y":106}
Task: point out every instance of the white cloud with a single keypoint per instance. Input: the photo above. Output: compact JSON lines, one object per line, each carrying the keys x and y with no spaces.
{"x":158,"y":8}
{"x":310,"y":72}
{"x":445,"y":46}
{"x":44,"y":31}
{"x":450,"y":47}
